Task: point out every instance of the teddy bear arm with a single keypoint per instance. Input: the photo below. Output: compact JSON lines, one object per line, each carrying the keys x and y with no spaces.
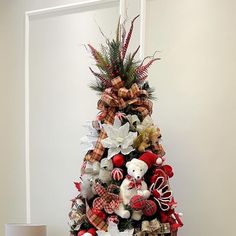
{"x":122,"y":212}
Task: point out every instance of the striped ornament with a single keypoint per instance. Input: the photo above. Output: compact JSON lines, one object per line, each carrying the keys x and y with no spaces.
{"x":117,"y":174}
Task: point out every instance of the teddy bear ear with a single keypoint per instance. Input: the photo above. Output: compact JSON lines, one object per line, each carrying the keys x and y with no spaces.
{"x":127,"y":164}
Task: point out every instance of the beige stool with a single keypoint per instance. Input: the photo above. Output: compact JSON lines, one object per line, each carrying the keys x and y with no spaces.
{"x":25,"y":230}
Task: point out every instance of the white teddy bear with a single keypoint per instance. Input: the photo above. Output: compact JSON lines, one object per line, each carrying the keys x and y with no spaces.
{"x":90,"y":172}
{"x":93,"y":171}
{"x":134,"y":184}
{"x":106,"y":167}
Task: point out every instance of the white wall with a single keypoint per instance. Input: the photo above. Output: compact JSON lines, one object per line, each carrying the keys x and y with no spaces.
{"x":12,"y":172}
{"x":195,"y":83}
{"x":60,"y":103}
{"x":195,"y":109}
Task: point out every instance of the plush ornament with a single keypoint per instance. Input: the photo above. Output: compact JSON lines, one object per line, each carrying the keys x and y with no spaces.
{"x":131,"y":186}
{"x":118,"y":160}
{"x":117,"y":174}
{"x":137,"y":202}
{"x":150,"y":208}
{"x":149,"y":158}
{"x":90,"y":172}
{"x":142,"y":142}
{"x":106,"y":167}
{"x":90,"y":168}
{"x":86,"y":186}
{"x":147,"y":137}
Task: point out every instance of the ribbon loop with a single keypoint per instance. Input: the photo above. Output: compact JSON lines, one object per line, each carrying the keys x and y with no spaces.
{"x":151,"y":227}
{"x":117,"y":98}
{"x":106,"y":200}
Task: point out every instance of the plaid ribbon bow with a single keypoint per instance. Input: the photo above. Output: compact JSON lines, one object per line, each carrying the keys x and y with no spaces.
{"x":134,"y":183}
{"x":120,"y":97}
{"x":95,"y":220}
{"x":151,"y":227}
{"x":116,"y":98}
{"x":107,"y":200}
{"x":155,"y":228}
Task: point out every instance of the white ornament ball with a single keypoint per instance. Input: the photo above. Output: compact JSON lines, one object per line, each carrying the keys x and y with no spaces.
{"x":159,"y":161}
{"x":87,"y":234}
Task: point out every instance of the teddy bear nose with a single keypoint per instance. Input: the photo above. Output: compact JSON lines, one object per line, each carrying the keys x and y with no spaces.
{"x":138,"y":177}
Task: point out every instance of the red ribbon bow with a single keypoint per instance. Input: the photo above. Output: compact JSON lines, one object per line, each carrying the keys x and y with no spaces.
{"x":134,"y":183}
{"x":114,"y":99}
{"x":106,"y":200}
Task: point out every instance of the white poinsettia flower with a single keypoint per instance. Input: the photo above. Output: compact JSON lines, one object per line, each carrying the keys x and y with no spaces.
{"x":119,"y":138}
{"x":147,"y":122}
{"x":132,"y":120}
{"x":89,"y":141}
{"x":113,"y":231}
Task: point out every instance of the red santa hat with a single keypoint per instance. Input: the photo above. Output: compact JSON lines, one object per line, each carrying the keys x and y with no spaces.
{"x":150,"y":159}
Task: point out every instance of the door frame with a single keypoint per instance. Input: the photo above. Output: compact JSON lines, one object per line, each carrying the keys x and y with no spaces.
{"x":52,"y":11}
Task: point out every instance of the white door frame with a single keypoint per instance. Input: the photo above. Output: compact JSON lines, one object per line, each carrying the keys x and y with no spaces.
{"x":63,"y":9}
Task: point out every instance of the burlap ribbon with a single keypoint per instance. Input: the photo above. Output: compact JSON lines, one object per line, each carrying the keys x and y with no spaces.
{"x":117,"y":98}
{"x":154,"y":228}
{"x":151,"y":227}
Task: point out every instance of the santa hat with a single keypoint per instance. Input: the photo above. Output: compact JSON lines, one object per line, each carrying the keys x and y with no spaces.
{"x":150,"y":159}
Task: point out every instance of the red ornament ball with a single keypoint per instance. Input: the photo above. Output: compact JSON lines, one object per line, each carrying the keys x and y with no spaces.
{"x":150,"y":209}
{"x":81,"y":232}
{"x":92,"y":231}
{"x":117,"y":174}
{"x":137,"y":202}
{"x":118,"y":160}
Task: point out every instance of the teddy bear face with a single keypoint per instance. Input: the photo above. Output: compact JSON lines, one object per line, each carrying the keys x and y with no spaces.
{"x":106,"y":164}
{"x":136,"y":168}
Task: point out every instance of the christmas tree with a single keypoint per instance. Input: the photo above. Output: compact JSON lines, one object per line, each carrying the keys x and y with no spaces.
{"x":124,"y":185}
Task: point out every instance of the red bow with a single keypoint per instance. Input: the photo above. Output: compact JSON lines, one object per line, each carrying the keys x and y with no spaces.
{"x":134,"y":183}
{"x":106,"y":200}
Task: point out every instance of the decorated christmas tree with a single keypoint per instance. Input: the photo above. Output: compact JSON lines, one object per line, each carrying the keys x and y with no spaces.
{"x":124,"y":184}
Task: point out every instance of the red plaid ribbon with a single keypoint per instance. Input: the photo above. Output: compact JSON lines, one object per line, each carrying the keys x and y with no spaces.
{"x":117,"y":98}
{"x":95,"y":220}
{"x":106,"y":200}
{"x":134,"y":183}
